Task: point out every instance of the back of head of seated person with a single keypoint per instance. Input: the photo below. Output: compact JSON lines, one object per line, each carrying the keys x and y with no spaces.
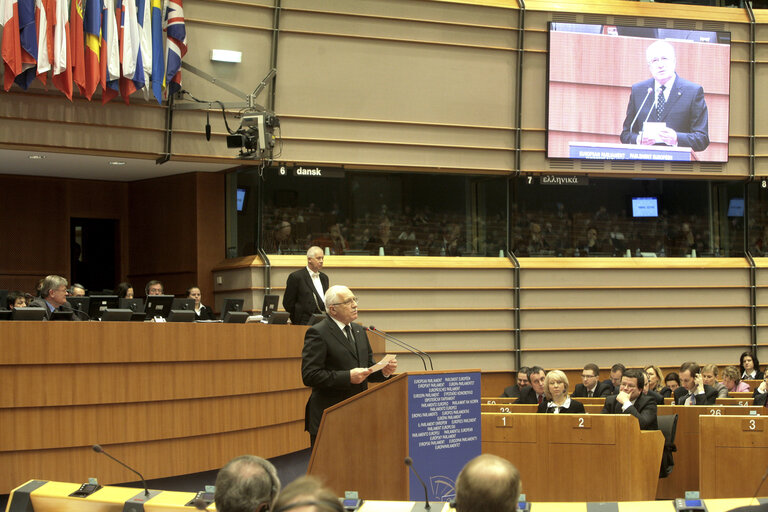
{"x":488,"y":483}
{"x":247,"y":483}
{"x":307,"y":494}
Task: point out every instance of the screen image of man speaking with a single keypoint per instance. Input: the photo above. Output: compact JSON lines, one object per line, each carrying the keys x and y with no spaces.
{"x":666,"y":109}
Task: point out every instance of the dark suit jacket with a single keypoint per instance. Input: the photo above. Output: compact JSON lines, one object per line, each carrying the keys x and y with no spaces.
{"x":685,"y":112}
{"x":656,"y":396}
{"x":301,"y":299}
{"x":575,"y":408}
{"x":528,"y":396}
{"x":602,"y":389}
{"x":707,"y":398}
{"x":326,"y":360}
{"x":512,"y":391}
{"x":39,"y":302}
{"x":609,"y":383}
{"x":644,"y":410}
{"x":760,"y":398}
{"x":206,"y":313}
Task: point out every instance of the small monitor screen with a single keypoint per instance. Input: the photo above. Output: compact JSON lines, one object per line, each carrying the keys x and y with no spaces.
{"x":736,"y":207}
{"x":242,"y":195}
{"x":645,"y":207}
{"x":98,"y":303}
{"x":638,"y":93}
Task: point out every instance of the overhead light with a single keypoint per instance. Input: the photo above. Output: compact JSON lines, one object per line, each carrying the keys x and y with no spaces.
{"x":226,"y":56}
{"x":36,"y":157}
{"x":116,"y":162}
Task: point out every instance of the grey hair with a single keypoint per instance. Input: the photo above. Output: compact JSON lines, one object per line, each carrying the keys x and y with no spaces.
{"x":312,"y":251}
{"x":51,"y":283}
{"x":332,"y":295}
{"x":246,"y":483}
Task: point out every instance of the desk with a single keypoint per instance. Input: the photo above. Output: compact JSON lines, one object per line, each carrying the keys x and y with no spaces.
{"x":549,"y":448}
{"x":52,"y":497}
{"x":169,"y":399}
{"x":685,"y":475}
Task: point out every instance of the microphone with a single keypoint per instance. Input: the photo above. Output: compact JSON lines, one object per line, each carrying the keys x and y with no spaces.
{"x":400,"y":343}
{"x":98,"y":449}
{"x":409,"y":463}
{"x":650,"y":90}
{"x":649,"y":111}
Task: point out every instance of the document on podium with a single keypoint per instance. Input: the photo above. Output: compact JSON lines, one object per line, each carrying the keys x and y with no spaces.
{"x":381,"y":364}
{"x":651,"y":131}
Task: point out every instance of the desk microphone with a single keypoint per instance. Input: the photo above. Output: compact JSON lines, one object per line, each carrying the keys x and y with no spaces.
{"x":98,"y":449}
{"x":400,"y":343}
{"x":409,"y":463}
{"x":650,"y":90}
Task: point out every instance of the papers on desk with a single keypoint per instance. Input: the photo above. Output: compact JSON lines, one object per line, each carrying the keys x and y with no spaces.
{"x":381,"y":364}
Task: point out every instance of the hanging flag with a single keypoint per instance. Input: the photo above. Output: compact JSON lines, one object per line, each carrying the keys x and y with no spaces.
{"x":28,"y":41}
{"x":11,"y":44}
{"x":77,"y":44}
{"x":44,"y":15}
{"x":144,"y":12}
{"x":158,"y":66}
{"x":132,"y":72}
{"x":109,"y":62}
{"x":92,"y":26}
{"x":177,"y":44}
{"x":62,"y":58}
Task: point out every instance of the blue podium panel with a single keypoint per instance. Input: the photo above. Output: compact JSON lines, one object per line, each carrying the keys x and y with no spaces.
{"x":443,"y":430}
{"x":602,"y":151}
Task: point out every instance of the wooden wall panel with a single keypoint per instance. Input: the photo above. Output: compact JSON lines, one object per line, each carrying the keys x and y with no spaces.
{"x":170,"y":399}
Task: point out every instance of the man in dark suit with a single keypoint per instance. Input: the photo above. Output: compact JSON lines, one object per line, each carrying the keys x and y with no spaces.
{"x":631,"y":400}
{"x":666,"y":98}
{"x":53,"y":296}
{"x":513,"y":391}
{"x":305,"y":288}
{"x":760,"y":394}
{"x":692,"y":390}
{"x":533,"y":394}
{"x":592,"y":386}
{"x":617,"y":370}
{"x":336,"y":358}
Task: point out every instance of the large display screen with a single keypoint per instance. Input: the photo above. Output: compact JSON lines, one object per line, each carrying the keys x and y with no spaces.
{"x":638,"y":93}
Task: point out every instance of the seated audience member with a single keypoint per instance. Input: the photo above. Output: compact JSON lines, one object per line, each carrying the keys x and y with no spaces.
{"x":154,"y":287}
{"x":709,"y":374}
{"x":692,"y":390}
{"x":488,"y":483}
{"x":671,"y":383}
{"x":513,"y":391}
{"x":124,"y":291}
{"x":617,"y":370}
{"x":750,"y":366}
{"x":533,"y":394}
{"x":556,"y":391}
{"x":654,"y":378}
{"x":201,"y":312}
{"x":53,"y":296}
{"x":592,"y":386}
{"x":77,"y":290}
{"x":247,"y":484}
{"x":306,"y":494}
{"x":761,"y":393}
{"x":631,"y":400}
{"x":732,"y":382}
{"x":16,"y":299}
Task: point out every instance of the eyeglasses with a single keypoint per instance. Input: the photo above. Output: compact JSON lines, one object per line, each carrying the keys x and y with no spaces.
{"x":588,"y":376}
{"x":346,"y":302}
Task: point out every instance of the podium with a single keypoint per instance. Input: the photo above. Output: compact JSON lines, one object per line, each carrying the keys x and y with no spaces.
{"x":604,"y":151}
{"x":577,"y":457}
{"x":432,"y":417}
